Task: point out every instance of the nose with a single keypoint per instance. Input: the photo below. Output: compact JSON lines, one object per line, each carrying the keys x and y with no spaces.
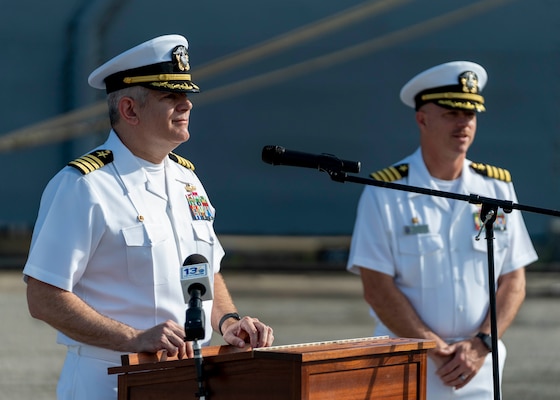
{"x":186,"y":104}
{"x":465,"y":118}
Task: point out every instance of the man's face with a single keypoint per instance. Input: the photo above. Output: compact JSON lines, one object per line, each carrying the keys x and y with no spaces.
{"x":449,"y":133}
{"x":165,"y":117}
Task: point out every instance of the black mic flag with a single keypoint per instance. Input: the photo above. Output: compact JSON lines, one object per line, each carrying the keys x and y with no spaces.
{"x":278,"y":155}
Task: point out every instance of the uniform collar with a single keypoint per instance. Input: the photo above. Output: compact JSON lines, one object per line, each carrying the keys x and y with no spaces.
{"x":128,"y":167}
{"x":125,"y":162}
{"x":419,"y":176}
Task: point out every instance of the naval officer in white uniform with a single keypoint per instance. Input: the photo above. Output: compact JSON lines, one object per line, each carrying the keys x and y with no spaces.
{"x":424,"y":274}
{"x":115,"y":226}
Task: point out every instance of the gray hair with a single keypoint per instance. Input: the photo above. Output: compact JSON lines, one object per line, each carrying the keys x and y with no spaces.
{"x":138,"y":93}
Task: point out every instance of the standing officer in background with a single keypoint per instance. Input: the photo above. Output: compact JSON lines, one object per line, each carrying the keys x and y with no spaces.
{"x":424,"y":274}
{"x":115,"y":225}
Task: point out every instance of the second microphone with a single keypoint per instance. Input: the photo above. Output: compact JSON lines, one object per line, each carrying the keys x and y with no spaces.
{"x":278,"y":155}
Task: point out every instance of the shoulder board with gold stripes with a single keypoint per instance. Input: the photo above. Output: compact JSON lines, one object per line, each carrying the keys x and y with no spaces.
{"x":181,"y":161}
{"x":491,"y":171}
{"x":92,"y":161}
{"x":390,"y":174}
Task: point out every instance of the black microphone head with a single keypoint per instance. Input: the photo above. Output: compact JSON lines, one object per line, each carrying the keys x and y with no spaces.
{"x":195,"y":259}
{"x":270,"y":154}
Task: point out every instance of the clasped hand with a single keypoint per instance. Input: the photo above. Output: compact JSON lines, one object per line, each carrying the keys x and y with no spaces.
{"x":458,"y":362}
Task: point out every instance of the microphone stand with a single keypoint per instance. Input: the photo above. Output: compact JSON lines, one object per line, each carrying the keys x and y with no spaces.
{"x":194,"y":330}
{"x":488,"y":216}
{"x":202,"y":395}
{"x":335,"y":168}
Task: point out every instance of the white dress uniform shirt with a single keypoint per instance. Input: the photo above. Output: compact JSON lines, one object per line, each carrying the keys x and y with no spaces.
{"x":117,"y":240}
{"x":428,"y":245}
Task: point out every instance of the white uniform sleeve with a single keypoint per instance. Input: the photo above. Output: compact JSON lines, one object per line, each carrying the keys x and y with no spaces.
{"x":371,"y":247}
{"x":61,"y":247}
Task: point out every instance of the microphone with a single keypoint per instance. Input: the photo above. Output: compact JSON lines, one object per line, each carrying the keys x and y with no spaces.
{"x":196,"y":285}
{"x":194,"y":275}
{"x":196,"y":288}
{"x":278,"y":155}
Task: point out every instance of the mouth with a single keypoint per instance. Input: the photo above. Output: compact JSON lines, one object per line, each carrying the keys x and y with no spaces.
{"x":461,"y":135}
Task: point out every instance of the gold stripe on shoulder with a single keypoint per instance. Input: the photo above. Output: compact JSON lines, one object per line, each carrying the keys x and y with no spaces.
{"x":92,"y":161}
{"x":390,"y":174}
{"x":491,"y":172}
{"x":181,"y":161}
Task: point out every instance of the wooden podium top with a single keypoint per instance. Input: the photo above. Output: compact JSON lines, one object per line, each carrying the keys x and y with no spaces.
{"x":351,"y":369}
{"x":319,"y":351}
{"x":305,"y":352}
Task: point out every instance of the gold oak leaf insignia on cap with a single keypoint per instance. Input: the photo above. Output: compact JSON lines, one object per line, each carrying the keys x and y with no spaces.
{"x":491,"y":171}
{"x":181,"y":161}
{"x":390,"y":174}
{"x":92,"y":161}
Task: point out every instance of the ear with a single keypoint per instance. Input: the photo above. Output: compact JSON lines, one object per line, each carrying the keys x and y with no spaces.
{"x":420,"y":118}
{"x":127,"y":110}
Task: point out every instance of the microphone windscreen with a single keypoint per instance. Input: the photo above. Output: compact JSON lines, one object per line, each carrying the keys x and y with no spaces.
{"x":270,"y":154}
{"x":195,"y":259}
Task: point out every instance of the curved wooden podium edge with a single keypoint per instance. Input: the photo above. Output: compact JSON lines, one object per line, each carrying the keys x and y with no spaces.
{"x":160,"y":356}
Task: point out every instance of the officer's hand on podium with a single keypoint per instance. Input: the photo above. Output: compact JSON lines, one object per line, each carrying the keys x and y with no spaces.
{"x":168,"y":336}
{"x":247,"y":330}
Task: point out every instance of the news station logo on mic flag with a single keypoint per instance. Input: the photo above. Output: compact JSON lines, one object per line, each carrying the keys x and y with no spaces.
{"x":194,"y":271}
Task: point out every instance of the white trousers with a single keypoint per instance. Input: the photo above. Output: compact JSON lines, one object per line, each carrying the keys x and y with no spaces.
{"x":481,"y":386}
{"x":84,"y":374}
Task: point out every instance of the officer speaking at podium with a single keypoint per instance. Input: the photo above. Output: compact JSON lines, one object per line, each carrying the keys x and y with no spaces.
{"x":115,"y":225}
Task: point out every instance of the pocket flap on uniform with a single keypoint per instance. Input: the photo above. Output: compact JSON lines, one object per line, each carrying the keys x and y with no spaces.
{"x":144,"y":235}
{"x":420,"y":244}
{"x":202,"y":231}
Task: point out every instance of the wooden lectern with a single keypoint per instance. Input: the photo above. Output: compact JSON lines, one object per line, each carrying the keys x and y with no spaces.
{"x":365,"y":368}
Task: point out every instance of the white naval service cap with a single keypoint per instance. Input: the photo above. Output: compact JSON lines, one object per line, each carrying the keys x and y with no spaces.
{"x":159,"y":64}
{"x":454,"y":85}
